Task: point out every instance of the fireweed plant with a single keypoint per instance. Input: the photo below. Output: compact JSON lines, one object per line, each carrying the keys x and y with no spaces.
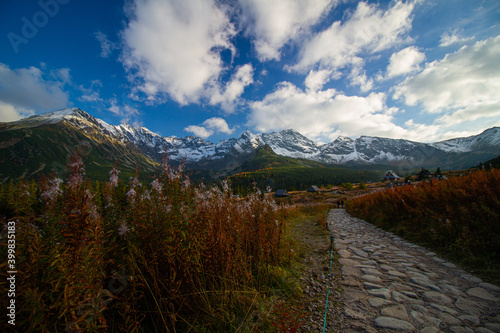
{"x":458,"y":217}
{"x":162,"y":256}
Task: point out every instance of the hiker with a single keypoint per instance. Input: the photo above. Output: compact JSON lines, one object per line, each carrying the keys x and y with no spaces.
{"x":338,"y":204}
{"x":342,"y":203}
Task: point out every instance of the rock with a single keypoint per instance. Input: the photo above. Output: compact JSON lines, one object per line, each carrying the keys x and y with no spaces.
{"x":386,"y":267}
{"x":458,"y":329}
{"x":430,"y":329}
{"x":371,"y":278}
{"x":482,"y":294}
{"x":467,"y":306}
{"x":493,"y":327}
{"x":490,"y":287}
{"x":369,"y":285}
{"x":371,"y":271}
{"x":344,"y":254}
{"x":398,"y":311}
{"x":349,"y":270}
{"x":470,"y":278}
{"x":442,"y":308}
{"x":393,"y":323}
{"x":436,"y":297}
{"x":400,"y":287}
{"x":424,"y":319}
{"x":449,"y":319}
{"x":354,"y":314}
{"x":410,"y":294}
{"x":452,"y":290}
{"x":470,"y":318}
{"x":483,"y":330}
{"x":348,"y":262}
{"x":382,"y":293}
{"x":353,"y":294}
{"x":378,"y":302}
{"x":396,"y":273}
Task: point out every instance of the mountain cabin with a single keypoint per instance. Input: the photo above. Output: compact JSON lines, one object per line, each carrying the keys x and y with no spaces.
{"x":391,"y":175}
{"x":281,"y":193}
{"x":313,"y":189}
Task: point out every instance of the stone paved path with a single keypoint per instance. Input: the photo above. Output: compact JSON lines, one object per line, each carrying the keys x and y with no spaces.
{"x":392,"y":285}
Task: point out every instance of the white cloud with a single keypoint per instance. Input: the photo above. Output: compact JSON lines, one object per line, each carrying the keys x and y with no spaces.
{"x":464,"y":84}
{"x":323,"y":115}
{"x":9,"y":113}
{"x":26,"y":91}
{"x":91,"y":94}
{"x":367,"y":30}
{"x":209,"y":127}
{"x":174,"y":47}
{"x":199,"y":131}
{"x":405,"y":61}
{"x":233,"y":89}
{"x":126,"y":112}
{"x":316,"y":79}
{"x":272,"y":24}
{"x":218,"y":125}
{"x":106,"y":45}
{"x":358,"y":78}
{"x":450,"y":38}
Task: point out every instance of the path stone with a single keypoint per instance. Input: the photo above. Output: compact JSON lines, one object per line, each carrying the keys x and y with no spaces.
{"x":490,"y":287}
{"x":493,"y":327}
{"x":484,"y":330}
{"x":449,"y":319}
{"x":483,"y":294}
{"x":382,"y":293}
{"x":436,"y":297}
{"x":398,"y":311}
{"x":372,"y":279}
{"x":459,"y":329}
{"x":377,"y":302}
{"x":390,"y":284}
{"x":395,"y":324}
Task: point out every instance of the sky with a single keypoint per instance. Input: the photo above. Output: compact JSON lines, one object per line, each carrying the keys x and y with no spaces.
{"x":421,"y":70}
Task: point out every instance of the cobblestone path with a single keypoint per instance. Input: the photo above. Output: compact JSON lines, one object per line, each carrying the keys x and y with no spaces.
{"x":392,"y":285}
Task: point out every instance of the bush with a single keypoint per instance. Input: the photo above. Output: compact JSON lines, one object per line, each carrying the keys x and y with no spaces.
{"x":458,"y":217}
{"x":140,"y":257}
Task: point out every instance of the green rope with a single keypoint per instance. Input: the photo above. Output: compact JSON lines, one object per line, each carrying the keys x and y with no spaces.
{"x":329,"y":282}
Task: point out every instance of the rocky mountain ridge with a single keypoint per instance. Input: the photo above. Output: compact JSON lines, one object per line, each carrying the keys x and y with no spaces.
{"x":365,"y":150}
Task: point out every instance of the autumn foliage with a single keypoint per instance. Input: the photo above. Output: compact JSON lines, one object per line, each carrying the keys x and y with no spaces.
{"x":459,"y":217}
{"x":162,"y":256}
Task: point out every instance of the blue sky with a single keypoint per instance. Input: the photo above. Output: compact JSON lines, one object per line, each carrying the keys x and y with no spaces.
{"x":420,"y":70}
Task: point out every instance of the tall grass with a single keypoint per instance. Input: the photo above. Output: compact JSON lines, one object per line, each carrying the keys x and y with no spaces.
{"x":459,"y":217}
{"x":168,"y":256}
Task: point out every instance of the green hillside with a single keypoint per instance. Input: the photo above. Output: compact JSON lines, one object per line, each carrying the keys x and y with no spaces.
{"x":266,"y":168}
{"x":29,"y":152}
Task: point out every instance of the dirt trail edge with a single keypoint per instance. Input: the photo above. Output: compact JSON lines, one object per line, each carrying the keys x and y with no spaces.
{"x":392,"y":285}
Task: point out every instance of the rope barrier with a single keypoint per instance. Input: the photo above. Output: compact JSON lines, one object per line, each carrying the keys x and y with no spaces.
{"x":329,"y":279}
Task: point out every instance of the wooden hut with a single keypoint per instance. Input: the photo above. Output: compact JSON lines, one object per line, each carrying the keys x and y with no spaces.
{"x":281,"y":193}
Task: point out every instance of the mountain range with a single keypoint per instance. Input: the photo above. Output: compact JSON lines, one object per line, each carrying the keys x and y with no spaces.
{"x":40,"y":143}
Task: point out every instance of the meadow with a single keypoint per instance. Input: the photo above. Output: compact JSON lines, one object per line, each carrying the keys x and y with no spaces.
{"x":458,"y":218}
{"x":160,"y":256}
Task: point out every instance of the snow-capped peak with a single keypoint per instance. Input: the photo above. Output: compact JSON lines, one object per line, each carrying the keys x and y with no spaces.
{"x":289,"y":143}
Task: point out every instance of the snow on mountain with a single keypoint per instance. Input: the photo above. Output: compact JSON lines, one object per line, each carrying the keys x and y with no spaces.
{"x":289,"y":143}
{"x":247,"y":142}
{"x":489,"y":138}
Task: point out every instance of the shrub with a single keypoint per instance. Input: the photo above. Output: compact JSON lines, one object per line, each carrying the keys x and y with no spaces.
{"x":168,"y":255}
{"x":458,"y":217}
